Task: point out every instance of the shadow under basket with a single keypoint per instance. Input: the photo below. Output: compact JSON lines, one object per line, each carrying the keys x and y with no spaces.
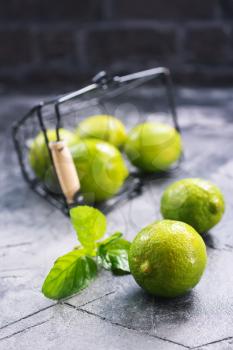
{"x":133,"y":98}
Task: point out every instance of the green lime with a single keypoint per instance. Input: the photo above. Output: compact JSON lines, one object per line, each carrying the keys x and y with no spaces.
{"x":197,"y":202}
{"x":103,"y":127}
{"x":153,"y":146}
{"x":38,"y":154}
{"x":167,"y":258}
{"x":101,"y":169}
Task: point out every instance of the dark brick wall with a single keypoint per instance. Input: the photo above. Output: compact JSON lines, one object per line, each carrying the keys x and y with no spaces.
{"x":51,"y":42}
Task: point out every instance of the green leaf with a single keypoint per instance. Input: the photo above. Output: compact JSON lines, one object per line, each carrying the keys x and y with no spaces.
{"x":113,"y":254}
{"x":111,"y":239}
{"x":70,"y":274}
{"x":90,"y":225}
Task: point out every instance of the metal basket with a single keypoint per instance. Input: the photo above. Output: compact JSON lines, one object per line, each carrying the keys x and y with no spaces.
{"x":99,"y":97}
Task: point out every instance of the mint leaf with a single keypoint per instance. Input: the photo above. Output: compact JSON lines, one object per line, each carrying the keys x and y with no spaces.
{"x":111,"y":239}
{"x":90,"y":225}
{"x":113,"y":254}
{"x":70,"y":273}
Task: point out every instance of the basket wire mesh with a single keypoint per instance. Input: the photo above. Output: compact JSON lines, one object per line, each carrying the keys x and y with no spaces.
{"x":116,"y":95}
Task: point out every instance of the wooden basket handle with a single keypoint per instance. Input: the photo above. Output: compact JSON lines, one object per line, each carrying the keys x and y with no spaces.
{"x":65,"y":169}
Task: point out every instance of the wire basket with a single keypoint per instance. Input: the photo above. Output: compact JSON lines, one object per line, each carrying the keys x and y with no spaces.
{"x":116,"y":96}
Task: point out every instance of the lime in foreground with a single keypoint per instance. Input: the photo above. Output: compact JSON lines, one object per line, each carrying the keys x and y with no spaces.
{"x":103,"y":127}
{"x":167,"y":258}
{"x":197,"y":202}
{"x":153,"y":146}
{"x":101,"y":169}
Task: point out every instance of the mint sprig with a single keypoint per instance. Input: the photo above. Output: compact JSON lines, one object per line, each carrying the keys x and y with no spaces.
{"x":74,"y":271}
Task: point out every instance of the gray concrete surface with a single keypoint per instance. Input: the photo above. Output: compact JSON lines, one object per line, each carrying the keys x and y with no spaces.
{"x":114,"y":313}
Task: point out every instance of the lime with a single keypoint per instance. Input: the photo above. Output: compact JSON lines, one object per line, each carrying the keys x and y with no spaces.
{"x":39,"y":156}
{"x":103,"y":127}
{"x":153,"y":146}
{"x":167,"y":258}
{"x":101,"y":169}
{"x":197,"y":202}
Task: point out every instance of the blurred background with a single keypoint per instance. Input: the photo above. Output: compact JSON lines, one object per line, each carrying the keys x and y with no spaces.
{"x":56,"y":43}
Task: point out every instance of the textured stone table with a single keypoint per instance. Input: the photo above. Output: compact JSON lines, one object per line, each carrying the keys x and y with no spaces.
{"x":114,"y":313}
